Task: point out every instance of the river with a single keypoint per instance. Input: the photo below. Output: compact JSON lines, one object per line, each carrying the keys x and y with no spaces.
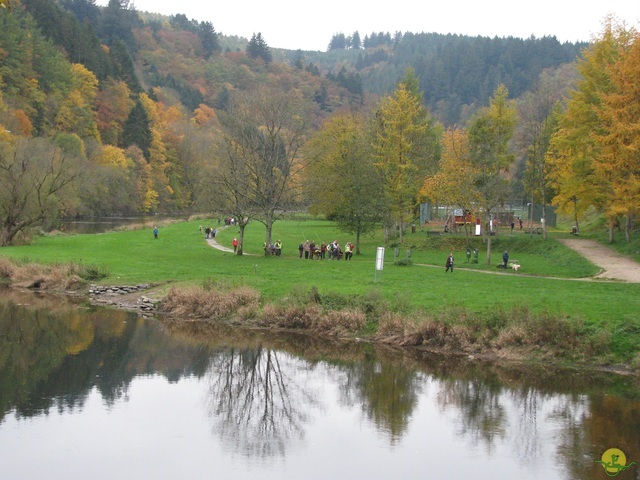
{"x":105,"y":224}
{"x":94,"y":393}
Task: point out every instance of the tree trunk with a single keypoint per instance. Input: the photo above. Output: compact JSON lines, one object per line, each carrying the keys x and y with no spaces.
{"x":241,"y":225}
{"x":531,"y":219}
{"x":269,"y":228}
{"x":627,"y":228}
{"x":544,"y":215}
{"x":612,"y":226}
{"x":7,"y":235}
{"x":489,"y":230}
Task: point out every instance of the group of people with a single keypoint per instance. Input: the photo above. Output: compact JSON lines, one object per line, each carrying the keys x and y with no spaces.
{"x":311,"y":250}
{"x":274,"y":248}
{"x":209,"y":232}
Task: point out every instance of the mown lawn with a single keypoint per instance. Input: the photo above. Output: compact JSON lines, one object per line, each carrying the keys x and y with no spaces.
{"x":181,"y":255}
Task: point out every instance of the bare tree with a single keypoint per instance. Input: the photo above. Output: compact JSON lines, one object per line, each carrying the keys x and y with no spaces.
{"x":33,"y":176}
{"x":233,"y":184}
{"x":262,"y":135}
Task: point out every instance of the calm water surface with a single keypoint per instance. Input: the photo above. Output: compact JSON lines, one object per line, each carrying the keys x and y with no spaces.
{"x":100,"y":394}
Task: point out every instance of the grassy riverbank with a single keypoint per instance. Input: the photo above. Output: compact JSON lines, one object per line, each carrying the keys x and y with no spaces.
{"x":476,"y":295}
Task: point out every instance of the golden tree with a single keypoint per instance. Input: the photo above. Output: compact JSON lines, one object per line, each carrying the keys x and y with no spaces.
{"x":453,"y":184}
{"x":581,"y":175}
{"x":406,"y":147}
{"x":619,"y":137}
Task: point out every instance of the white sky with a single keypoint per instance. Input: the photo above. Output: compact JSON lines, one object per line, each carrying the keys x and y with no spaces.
{"x":294,"y":24}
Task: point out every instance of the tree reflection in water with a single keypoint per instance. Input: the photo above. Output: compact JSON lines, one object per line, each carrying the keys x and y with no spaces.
{"x":386,"y":392}
{"x":482,"y":415}
{"x":257,"y":405}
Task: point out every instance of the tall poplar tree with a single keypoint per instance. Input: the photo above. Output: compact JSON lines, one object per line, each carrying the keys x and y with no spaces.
{"x":619,"y":138}
{"x":579,"y":175}
{"x":406,"y":148}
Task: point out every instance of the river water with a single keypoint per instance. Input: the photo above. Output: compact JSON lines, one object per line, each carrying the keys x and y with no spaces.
{"x":105,"y":224}
{"x":92,"y":393}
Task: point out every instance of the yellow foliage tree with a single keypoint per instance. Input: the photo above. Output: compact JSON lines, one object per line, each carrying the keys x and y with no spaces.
{"x":341,"y":179}
{"x":114,"y":156}
{"x":453,"y":183}
{"x":579,"y":175}
{"x":406,"y":147}
{"x":619,"y":137}
{"x":77,"y":114}
{"x":203,"y":115}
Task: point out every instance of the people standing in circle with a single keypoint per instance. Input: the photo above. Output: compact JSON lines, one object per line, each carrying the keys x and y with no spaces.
{"x":155,"y":232}
{"x":449,"y":263}
{"x":235,"y":245}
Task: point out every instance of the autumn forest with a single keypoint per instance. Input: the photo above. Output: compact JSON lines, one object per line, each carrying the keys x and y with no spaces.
{"x":111,"y":111}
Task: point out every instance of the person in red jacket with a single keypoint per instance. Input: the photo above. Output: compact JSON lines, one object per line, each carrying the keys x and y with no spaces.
{"x":235,"y":245}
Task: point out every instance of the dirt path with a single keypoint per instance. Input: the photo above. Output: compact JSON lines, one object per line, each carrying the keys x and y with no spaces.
{"x":614,"y":266}
{"x":216,"y":245}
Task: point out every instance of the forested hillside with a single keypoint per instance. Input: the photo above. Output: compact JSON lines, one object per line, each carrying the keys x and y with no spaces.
{"x":115,"y":111}
{"x":457,"y":73}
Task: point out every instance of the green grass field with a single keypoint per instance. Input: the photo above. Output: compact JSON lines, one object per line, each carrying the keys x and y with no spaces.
{"x":181,"y":255}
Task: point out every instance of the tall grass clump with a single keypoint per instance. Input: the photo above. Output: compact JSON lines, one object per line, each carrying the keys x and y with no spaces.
{"x":197,"y":303}
{"x":58,"y":277}
{"x":516,"y":332}
{"x":92,"y":273}
{"x":7,"y":269}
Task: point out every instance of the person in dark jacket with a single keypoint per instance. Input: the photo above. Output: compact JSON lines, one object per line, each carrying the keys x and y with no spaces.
{"x":449,"y":263}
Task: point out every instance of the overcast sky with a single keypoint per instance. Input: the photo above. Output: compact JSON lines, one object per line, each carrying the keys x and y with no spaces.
{"x":294,"y":24}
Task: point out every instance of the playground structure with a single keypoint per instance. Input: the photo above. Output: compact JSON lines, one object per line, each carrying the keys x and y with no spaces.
{"x":447,"y":219}
{"x":459,"y":219}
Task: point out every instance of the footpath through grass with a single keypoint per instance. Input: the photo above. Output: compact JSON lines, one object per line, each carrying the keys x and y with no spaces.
{"x":181,"y":255}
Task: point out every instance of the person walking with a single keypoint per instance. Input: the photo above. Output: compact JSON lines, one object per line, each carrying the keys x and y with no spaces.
{"x":449,"y":263}
{"x":235,"y":245}
{"x":155,"y":232}
{"x":505,"y":259}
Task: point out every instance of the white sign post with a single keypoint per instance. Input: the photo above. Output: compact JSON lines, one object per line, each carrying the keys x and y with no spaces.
{"x":379,"y":261}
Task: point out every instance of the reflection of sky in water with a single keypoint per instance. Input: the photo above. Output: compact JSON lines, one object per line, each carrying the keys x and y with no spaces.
{"x":165,"y":430}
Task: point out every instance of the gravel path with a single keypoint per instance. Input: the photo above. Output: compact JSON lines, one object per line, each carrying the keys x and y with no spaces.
{"x":614,"y":266}
{"x":216,"y":245}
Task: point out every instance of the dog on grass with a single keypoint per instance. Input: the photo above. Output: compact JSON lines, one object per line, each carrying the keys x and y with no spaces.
{"x":515,"y":266}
